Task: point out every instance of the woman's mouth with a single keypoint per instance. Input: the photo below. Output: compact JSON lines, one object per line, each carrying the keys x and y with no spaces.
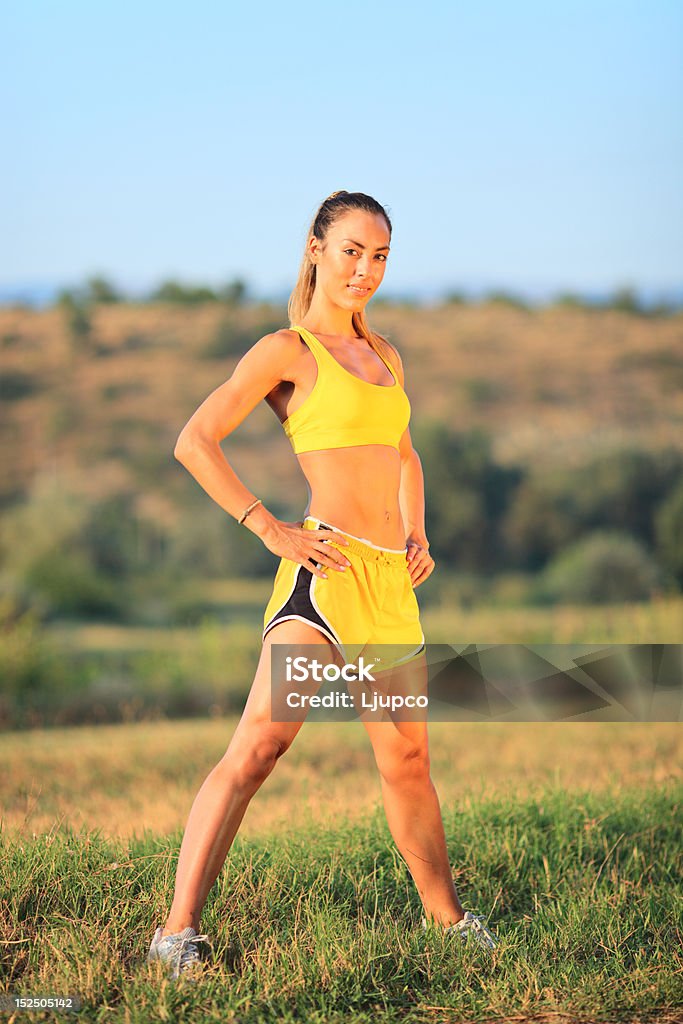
{"x":357,"y":290}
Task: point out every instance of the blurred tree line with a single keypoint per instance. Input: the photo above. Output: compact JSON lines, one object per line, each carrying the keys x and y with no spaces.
{"x":609,"y":530}
{"x":98,"y":290}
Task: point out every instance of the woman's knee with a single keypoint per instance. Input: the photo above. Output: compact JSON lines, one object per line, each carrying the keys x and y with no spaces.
{"x":256,"y":756}
{"x":405,"y":764}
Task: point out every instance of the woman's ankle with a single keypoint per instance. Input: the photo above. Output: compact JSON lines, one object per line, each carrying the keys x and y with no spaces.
{"x":444,"y":918}
{"x":173,"y":926}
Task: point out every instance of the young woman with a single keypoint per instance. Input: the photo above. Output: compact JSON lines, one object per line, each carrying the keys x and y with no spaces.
{"x":347,"y":572}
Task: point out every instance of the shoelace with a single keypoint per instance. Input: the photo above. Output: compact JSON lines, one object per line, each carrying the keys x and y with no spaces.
{"x":475,"y":924}
{"x":185,"y":954}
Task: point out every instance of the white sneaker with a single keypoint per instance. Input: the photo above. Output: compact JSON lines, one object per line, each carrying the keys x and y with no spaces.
{"x":470,"y":925}
{"x":178,"y":951}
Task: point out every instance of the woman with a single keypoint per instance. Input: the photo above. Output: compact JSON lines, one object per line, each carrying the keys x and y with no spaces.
{"x":347,"y":572}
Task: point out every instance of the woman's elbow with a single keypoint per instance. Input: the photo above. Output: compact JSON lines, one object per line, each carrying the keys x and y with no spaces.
{"x":185,"y":445}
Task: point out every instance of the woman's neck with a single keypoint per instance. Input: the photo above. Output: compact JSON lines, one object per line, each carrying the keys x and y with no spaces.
{"x":323,"y":318}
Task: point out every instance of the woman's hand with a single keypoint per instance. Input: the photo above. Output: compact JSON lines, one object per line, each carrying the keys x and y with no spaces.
{"x":420,"y":562}
{"x":289,"y":540}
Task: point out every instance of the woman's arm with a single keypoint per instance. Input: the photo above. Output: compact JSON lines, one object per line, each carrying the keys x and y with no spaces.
{"x":198,"y":448}
{"x":412,"y":504}
{"x":411,"y":499}
{"x":411,"y":493}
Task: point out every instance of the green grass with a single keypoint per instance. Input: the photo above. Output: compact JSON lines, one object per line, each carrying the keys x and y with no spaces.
{"x":583,"y":889}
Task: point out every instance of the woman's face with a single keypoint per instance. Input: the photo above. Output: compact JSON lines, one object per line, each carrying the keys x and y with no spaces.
{"x":350,"y":267}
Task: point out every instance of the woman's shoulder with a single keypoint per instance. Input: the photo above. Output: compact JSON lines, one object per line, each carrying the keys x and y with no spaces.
{"x":284,"y":337}
{"x":276,"y":354}
{"x":283,"y":344}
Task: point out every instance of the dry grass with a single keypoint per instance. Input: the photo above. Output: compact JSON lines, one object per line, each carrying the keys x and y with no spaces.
{"x":125,"y":779}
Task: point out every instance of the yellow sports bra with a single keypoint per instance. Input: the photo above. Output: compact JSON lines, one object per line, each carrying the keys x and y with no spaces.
{"x":342,"y":410}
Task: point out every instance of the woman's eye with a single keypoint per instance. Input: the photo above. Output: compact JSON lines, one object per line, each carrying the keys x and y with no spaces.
{"x":380,"y":255}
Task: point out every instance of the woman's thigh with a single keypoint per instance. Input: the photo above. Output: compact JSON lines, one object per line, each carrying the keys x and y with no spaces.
{"x":257,"y":715}
{"x":404,"y":736}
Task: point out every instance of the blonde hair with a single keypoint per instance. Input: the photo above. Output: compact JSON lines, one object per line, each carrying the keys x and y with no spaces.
{"x":329,"y":211}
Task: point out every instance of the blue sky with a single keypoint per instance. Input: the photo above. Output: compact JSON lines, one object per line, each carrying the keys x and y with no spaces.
{"x":524,"y":145}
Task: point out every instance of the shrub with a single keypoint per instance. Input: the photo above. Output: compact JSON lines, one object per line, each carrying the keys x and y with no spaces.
{"x":234,"y":293}
{"x":468,"y":494}
{"x":230,"y":339}
{"x":100,"y":290}
{"x":500,"y":297}
{"x":626,"y":300}
{"x":454,"y":298}
{"x":208,"y":542}
{"x":669,"y":532}
{"x":618,"y":490}
{"x":15,"y":384}
{"x":483,"y":390}
{"x":118,"y":540}
{"x":569,"y":300}
{"x":621,"y":490}
{"x":58,"y":549}
{"x":184,"y":295}
{"x":72,"y":587}
{"x":604,"y":567}
{"x":77,"y":314}
{"x":24,"y":654}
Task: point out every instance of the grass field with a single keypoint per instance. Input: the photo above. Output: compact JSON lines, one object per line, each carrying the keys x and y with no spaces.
{"x":567,"y":834}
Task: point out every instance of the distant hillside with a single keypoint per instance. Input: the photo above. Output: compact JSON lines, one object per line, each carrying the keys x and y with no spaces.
{"x":107,"y":397}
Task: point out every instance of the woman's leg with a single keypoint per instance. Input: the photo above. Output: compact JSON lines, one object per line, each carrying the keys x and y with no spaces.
{"x":412,"y":808}
{"x":221,"y":802}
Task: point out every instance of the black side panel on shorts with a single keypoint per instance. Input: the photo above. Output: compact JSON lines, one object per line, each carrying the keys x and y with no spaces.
{"x":299,"y":603}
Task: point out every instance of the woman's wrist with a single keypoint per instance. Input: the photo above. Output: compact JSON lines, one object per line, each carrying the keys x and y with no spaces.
{"x":249,"y":509}
{"x":260,"y":521}
{"x":418,"y":537}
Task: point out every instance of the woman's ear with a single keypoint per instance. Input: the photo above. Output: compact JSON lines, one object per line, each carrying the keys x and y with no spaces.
{"x":313,"y":249}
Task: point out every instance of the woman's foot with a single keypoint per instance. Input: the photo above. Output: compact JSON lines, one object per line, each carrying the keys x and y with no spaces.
{"x":472,"y":925}
{"x":177,"y":951}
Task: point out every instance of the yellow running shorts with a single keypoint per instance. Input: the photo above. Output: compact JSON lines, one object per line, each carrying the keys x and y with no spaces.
{"x":371,"y":602}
